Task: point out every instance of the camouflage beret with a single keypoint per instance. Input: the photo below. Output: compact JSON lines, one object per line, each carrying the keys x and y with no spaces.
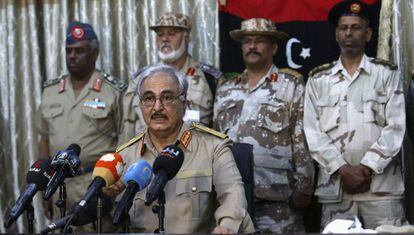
{"x":170,"y":19}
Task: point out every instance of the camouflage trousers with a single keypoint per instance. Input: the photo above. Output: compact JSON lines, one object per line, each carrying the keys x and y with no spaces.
{"x":371,"y":213}
{"x":277,"y":217}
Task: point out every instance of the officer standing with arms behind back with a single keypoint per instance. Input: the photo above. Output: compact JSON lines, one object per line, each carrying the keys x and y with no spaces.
{"x":83,"y":108}
{"x":173,"y":38}
{"x":264,"y":107}
{"x":354,"y":124}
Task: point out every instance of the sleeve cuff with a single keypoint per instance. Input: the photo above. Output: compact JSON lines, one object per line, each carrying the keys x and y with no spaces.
{"x":230,"y":224}
{"x":371,"y":160}
{"x":334,"y":165}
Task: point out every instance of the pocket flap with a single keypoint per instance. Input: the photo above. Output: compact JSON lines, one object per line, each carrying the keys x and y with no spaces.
{"x":53,"y":112}
{"x":372,"y":95}
{"x":193,"y":185}
{"x":95,"y":113}
{"x":330,"y":100}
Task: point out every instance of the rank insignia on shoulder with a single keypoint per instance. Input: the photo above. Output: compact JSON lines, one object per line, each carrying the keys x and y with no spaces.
{"x":114,"y":82}
{"x":208,"y":130}
{"x":321,"y":68}
{"x":291,"y":72}
{"x":185,"y":138}
{"x":210,"y":70}
{"x":384,"y":62}
{"x":190,"y":71}
{"x":130,"y":142}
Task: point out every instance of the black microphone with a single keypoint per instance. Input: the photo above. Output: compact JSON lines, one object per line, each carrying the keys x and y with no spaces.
{"x":165,"y":167}
{"x":87,"y":215}
{"x":66,"y":163}
{"x":37,"y":178}
{"x":137,"y":177}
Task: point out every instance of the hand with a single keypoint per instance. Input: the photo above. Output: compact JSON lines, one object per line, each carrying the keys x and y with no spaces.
{"x":114,"y":189}
{"x":48,"y":208}
{"x":222,"y":230}
{"x":355,"y":179}
{"x":300,"y":200}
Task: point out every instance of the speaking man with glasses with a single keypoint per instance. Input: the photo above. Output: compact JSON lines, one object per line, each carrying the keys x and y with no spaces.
{"x":207,"y":194}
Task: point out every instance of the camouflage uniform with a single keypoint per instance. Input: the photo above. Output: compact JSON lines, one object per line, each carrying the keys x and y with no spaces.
{"x":91,"y":120}
{"x":357,"y":119}
{"x":206,"y":192}
{"x":269,"y":117}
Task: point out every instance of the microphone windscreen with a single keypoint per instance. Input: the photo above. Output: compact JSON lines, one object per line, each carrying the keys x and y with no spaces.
{"x":170,"y":159}
{"x":76,"y":148}
{"x":40,"y":173}
{"x":140,"y":172}
{"x":109,"y":167}
{"x":88,"y":214}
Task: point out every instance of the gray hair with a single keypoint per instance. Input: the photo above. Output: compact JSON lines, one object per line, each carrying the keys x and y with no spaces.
{"x":166,"y":69}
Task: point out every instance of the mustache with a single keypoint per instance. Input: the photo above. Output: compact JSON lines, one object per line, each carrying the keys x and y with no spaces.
{"x":158,"y":115}
{"x":253,"y":53}
{"x":165,"y":45}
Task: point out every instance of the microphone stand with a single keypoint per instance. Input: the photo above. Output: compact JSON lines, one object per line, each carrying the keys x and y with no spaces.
{"x":30,"y":216}
{"x":160,"y":210}
{"x":61,"y":203}
{"x":99,"y":213}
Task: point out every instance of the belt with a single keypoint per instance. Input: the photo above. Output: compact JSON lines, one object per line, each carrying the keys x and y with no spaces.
{"x":84,"y":170}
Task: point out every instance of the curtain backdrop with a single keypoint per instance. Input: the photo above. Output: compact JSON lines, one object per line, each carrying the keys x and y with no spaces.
{"x":32,"y":37}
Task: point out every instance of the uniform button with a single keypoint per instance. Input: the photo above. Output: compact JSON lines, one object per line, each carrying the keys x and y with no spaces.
{"x":193,"y":189}
{"x":379,"y":169}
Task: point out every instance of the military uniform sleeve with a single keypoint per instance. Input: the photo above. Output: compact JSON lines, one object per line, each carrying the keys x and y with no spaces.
{"x":40,"y":124}
{"x":389,"y":143}
{"x":229,"y":188}
{"x":320,"y":145}
{"x":304,"y":168}
{"x":128,"y":114}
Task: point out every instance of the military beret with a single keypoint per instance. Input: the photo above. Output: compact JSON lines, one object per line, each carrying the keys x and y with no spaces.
{"x":350,"y":8}
{"x":78,"y":31}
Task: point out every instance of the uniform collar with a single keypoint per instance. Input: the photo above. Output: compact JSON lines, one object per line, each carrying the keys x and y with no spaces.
{"x":184,"y":139}
{"x":189,"y":64}
{"x":364,"y":65}
{"x":266,"y":77}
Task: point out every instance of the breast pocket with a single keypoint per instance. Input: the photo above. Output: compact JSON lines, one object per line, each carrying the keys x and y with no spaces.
{"x":99,"y":119}
{"x":273,"y":116}
{"x":52,"y":117}
{"x":228,"y":115}
{"x":374,"y":107}
{"x":193,"y":197}
{"x":329,"y":112}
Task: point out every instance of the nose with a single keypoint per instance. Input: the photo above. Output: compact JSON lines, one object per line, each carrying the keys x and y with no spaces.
{"x":348,"y":31}
{"x":158,"y":105}
{"x":71,"y":54}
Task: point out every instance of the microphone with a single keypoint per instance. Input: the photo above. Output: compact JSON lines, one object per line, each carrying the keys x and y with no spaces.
{"x":136,"y":178}
{"x":85,"y":216}
{"x":37,"y":178}
{"x":165,"y":166}
{"x":66,"y":163}
{"x":106,"y":172}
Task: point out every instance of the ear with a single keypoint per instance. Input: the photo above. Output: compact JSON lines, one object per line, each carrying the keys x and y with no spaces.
{"x":95,"y":55}
{"x":336,"y":34}
{"x":369,"y":34}
{"x":274,"y":48}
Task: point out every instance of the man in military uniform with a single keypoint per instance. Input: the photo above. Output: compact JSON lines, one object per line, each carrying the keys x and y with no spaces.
{"x":207,"y":194}
{"x":82,"y":107}
{"x":173,"y":38}
{"x":354,"y":122}
{"x":264,"y":107}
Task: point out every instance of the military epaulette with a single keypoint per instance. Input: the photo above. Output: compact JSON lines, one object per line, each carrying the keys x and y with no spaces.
{"x":52,"y":82}
{"x":130,"y":142}
{"x":320,"y":69}
{"x":291,"y":72}
{"x":210,"y":70}
{"x":208,"y":130}
{"x":116,"y":83}
{"x":384,"y":62}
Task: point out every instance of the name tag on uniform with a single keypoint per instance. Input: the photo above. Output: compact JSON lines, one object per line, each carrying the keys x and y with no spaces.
{"x":191,"y":116}
{"x":95,"y":104}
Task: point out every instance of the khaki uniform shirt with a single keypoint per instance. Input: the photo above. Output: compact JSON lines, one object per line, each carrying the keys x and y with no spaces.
{"x":92,"y":120}
{"x":206,"y":192}
{"x":199,"y":97}
{"x":357,"y":119}
{"x":269,"y":117}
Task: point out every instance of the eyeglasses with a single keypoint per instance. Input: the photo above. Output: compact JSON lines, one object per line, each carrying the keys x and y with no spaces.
{"x":166,"y":100}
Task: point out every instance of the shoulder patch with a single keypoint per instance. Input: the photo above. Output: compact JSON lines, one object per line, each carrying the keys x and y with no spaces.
{"x":384,"y":62}
{"x":130,"y":142}
{"x":210,"y":70}
{"x":116,"y":83}
{"x":291,"y":72}
{"x":321,"y":68}
{"x":208,"y":130}
{"x":52,"y":81}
